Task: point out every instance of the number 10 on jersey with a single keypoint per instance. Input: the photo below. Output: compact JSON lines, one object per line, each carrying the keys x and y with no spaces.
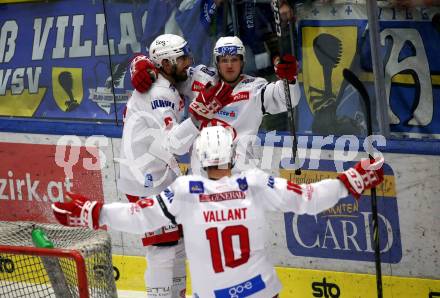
{"x":227,"y":235}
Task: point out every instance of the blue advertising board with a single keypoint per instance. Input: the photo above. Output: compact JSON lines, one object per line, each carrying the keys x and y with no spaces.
{"x":344,"y":231}
{"x":337,"y":36}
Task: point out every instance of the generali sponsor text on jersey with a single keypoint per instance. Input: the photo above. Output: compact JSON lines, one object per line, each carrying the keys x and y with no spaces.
{"x":223,"y":196}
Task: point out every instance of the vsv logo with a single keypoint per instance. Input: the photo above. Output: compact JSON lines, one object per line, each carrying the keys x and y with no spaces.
{"x":324,"y":289}
{"x":244,"y":289}
{"x":242,"y":184}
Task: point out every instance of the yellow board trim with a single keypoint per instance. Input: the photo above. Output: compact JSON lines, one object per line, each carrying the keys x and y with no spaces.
{"x":386,"y":189}
{"x":298,"y":282}
{"x":131,"y":272}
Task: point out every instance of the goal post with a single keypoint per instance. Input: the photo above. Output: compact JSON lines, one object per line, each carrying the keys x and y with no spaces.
{"x":50,"y":268}
{"x":80,"y":265}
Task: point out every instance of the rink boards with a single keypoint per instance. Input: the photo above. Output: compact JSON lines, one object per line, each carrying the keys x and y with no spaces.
{"x":335,"y":245}
{"x":303,"y":282}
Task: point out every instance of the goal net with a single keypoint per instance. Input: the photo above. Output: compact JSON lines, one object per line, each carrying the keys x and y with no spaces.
{"x":80,"y":265}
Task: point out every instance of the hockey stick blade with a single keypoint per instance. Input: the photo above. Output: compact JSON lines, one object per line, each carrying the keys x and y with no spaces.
{"x":357,"y":84}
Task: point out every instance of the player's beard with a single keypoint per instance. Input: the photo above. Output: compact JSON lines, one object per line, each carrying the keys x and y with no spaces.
{"x":179,"y":77}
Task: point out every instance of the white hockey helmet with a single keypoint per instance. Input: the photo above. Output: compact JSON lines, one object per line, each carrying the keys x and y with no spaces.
{"x":214,"y":146}
{"x":169,"y":47}
{"x":229,"y":45}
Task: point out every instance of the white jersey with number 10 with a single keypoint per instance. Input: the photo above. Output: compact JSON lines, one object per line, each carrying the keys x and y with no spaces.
{"x":224,"y":225}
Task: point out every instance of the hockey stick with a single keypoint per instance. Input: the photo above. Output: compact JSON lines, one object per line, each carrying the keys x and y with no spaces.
{"x":234,"y":16}
{"x":287,"y":95}
{"x":357,"y":84}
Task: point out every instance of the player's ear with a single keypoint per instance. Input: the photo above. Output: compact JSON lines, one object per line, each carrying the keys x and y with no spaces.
{"x":166,"y":65}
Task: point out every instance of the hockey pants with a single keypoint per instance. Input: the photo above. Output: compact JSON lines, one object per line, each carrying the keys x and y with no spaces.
{"x":165,"y":275}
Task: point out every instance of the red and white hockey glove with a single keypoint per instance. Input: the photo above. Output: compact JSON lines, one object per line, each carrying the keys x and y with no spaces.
{"x":364,"y":175}
{"x":210,"y":100}
{"x":77,"y":212}
{"x":143,"y":73}
{"x":286,"y":68}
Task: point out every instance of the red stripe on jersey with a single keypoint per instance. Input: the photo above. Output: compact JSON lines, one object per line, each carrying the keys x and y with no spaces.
{"x":294,"y":187}
{"x":161,"y":238}
{"x":132,"y":199}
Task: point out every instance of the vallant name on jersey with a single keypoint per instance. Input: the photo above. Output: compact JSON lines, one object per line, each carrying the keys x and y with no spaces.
{"x":225,"y":214}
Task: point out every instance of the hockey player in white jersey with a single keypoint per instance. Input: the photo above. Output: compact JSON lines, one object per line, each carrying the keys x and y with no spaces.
{"x":153,"y":133}
{"x":251,"y":96}
{"x":223,"y":217}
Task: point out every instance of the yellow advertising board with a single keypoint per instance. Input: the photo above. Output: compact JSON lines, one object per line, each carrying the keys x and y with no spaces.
{"x":303,"y":283}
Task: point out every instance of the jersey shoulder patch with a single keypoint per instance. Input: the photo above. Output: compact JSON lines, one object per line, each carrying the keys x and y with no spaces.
{"x":196,"y":187}
{"x":247,"y":81}
{"x":204,"y":73}
{"x":208,"y":71}
{"x":242,"y":183}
